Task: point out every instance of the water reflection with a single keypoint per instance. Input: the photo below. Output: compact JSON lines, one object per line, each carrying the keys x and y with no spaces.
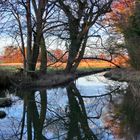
{"x":78,"y":127}
{"x":25,"y":119}
{"x":72,"y":113}
{"x":124,"y":117}
{"x":36,"y":114}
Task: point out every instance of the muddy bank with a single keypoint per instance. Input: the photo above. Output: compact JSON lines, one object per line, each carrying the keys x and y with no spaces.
{"x":123,"y":74}
{"x":5,"y":102}
{"x":49,"y":80}
{"x":4,"y":79}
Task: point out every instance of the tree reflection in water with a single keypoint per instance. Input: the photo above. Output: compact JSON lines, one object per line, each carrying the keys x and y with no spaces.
{"x":60,"y":116}
{"x":124,"y":118}
{"x":34,"y":115}
{"x":78,"y":126}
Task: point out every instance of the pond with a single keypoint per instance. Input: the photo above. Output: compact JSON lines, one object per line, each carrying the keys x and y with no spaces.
{"x":90,"y":108}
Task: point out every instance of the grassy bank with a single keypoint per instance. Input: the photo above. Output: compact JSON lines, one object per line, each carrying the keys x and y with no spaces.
{"x":54,"y":69}
{"x":8,"y":68}
{"x":9,"y":74}
{"x":54,"y":77}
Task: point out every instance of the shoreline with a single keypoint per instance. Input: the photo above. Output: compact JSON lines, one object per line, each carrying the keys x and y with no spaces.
{"x":123,"y":75}
{"x":46,"y":81}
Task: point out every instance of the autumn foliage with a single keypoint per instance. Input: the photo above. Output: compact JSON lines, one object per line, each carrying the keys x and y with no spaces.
{"x":12,"y":55}
{"x":121,"y":11}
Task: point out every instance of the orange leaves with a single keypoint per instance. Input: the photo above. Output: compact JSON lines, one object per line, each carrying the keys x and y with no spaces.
{"x":121,"y":11}
{"x":123,"y":8}
{"x":122,"y":5}
{"x":12,"y":55}
{"x":57,"y":53}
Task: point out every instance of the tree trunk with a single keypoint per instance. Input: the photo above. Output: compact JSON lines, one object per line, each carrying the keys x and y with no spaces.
{"x":81,"y":53}
{"x":43,"y":66}
{"x":35,"y":51}
{"x":39,"y":11}
{"x":29,"y":36}
{"x":73,"y":52}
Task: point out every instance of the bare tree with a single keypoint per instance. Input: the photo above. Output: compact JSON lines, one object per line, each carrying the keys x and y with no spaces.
{"x":28,"y":23}
{"x":81,"y":16}
{"x":12,"y":24}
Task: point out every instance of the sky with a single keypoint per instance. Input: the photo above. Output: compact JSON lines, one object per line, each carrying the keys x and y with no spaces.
{"x":4,"y":41}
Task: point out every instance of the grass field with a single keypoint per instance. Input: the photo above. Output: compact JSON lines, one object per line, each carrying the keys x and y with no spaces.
{"x":90,"y":64}
{"x":86,"y":64}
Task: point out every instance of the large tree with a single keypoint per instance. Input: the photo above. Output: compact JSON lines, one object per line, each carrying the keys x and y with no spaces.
{"x":26,"y":22}
{"x":36,"y":13}
{"x":12,"y":24}
{"x":81,"y":15}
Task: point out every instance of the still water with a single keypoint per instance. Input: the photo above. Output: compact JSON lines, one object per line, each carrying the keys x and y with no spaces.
{"x":90,"y":108}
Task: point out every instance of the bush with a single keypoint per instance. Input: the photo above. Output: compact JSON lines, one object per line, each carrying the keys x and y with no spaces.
{"x":132,"y":37}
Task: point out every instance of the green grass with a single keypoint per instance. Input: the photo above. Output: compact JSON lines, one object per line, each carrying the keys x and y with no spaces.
{"x":54,"y":70}
{"x":50,"y":69}
{"x":91,"y":68}
{"x":9,"y":68}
